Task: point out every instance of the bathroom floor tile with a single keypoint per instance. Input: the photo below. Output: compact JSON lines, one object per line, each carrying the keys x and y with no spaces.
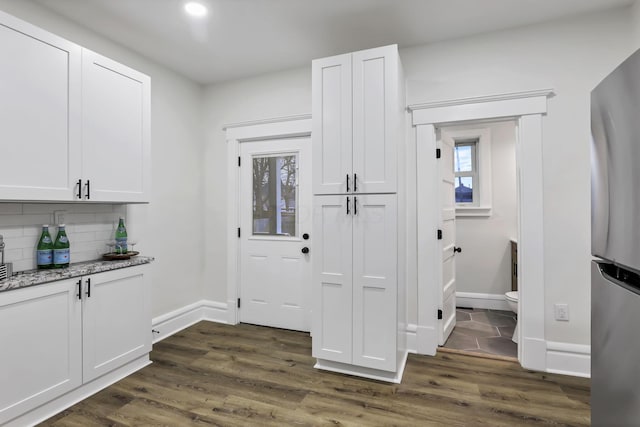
{"x":484,"y":331}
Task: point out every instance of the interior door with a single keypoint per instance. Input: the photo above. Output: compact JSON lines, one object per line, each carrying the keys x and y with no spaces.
{"x":275,"y":218}
{"x":448,"y":227}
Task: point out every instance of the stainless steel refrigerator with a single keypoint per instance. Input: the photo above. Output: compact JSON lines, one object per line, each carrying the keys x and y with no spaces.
{"x":615,"y":241}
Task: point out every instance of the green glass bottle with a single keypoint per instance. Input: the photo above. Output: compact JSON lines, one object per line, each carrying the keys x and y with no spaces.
{"x":61,"y":252}
{"x":121,"y":237}
{"x":44,"y":250}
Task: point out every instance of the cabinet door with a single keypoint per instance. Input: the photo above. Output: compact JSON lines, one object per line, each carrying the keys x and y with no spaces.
{"x":115,"y":131}
{"x":116,"y":319}
{"x":375,"y":255}
{"x":332,"y":278}
{"x":376,"y":119}
{"x":40,"y":354}
{"x":39,"y":113}
{"x":331,"y":137}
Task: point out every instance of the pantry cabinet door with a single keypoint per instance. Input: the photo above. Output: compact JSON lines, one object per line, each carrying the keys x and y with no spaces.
{"x":41,"y":347}
{"x":331,"y":136}
{"x":39,"y":113}
{"x":375,"y":284}
{"x":332,"y":278}
{"x":116,"y":319}
{"x":116,"y":132}
{"x":376,"y":116}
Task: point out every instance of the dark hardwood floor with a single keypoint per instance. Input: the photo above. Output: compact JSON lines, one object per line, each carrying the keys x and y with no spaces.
{"x":213,"y":374}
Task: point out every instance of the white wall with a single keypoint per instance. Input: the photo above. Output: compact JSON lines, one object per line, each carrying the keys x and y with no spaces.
{"x":484,"y":265}
{"x":170,"y":227}
{"x":272,"y":95}
{"x":569,"y":56}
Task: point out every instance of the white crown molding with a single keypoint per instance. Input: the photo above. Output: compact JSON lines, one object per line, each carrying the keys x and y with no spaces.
{"x":266,"y":121}
{"x":547,"y":93}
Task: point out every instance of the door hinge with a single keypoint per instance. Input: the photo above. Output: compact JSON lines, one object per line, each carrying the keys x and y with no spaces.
{"x":439,"y":235}
{"x":239,"y":161}
{"x":439,"y":314}
{"x":438,"y":153}
{"x":238,"y":302}
{"x":238,"y":232}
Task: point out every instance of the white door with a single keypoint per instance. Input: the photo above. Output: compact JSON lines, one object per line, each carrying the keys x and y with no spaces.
{"x":332,"y":125}
{"x":275,"y":233}
{"x":40,"y":132}
{"x":116,"y":319}
{"x":115,"y":131}
{"x":448,"y":227}
{"x":375,"y":281}
{"x":41,"y":356}
{"x":375,"y":115}
{"x":333,"y":278}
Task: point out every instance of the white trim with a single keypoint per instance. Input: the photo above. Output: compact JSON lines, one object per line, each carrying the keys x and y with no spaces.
{"x":411,"y":334}
{"x":473,"y":211}
{"x":479,"y":300}
{"x":67,"y":400}
{"x":285,"y":127}
{"x":360,"y":371}
{"x":527,"y":109}
{"x":546,"y":93}
{"x":482,"y":108}
{"x":267,"y":121}
{"x":170,"y":323}
{"x":569,"y":359}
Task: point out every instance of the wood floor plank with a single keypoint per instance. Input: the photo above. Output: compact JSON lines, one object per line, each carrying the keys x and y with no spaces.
{"x":212,"y":374}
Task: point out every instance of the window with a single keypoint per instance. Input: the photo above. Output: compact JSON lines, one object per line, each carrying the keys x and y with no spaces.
{"x":274,"y":195}
{"x":466,"y":172}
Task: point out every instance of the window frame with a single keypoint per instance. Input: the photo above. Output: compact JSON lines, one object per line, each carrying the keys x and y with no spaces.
{"x":473,"y":173}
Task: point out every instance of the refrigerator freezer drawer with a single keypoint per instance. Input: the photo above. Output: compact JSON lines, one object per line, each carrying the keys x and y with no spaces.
{"x":615,"y":351}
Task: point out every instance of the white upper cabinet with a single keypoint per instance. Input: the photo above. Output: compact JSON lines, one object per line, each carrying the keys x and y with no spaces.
{"x":74,"y":126}
{"x":357,"y":121}
{"x":116,"y":139}
{"x":39,"y":113}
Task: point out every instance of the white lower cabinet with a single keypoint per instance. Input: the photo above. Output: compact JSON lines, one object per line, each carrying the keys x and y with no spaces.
{"x":356,"y":285}
{"x":61,"y":336}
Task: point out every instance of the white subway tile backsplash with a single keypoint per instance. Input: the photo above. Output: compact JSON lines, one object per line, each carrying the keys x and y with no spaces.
{"x":89,"y":227}
{"x":10,"y":208}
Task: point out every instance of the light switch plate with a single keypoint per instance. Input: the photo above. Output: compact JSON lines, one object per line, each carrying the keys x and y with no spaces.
{"x":562,"y":312}
{"x":59,"y":217}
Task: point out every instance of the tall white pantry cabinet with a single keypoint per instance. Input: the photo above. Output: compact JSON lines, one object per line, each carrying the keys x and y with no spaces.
{"x":359,"y":303}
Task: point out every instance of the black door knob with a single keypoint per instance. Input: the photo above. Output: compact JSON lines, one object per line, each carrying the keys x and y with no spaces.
{"x":456,"y":249}
{"x":305,"y":236}
{"x":305,"y":250}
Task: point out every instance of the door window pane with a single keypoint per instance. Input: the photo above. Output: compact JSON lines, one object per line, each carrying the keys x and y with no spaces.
{"x":275,"y":195}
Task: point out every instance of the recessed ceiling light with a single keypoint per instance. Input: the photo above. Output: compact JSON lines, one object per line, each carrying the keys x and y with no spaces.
{"x":195,"y":9}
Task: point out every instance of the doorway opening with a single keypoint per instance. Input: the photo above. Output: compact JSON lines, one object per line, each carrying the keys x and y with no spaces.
{"x":484,"y":231}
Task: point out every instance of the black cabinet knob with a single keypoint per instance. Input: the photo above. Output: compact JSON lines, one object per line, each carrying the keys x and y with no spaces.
{"x":456,"y":249}
{"x":305,"y":236}
{"x":305,"y":250}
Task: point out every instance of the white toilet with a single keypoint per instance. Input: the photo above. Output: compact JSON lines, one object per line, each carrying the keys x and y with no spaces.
{"x":512,"y":300}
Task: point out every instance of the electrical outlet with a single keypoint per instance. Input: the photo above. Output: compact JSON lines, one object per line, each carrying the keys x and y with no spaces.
{"x":562,"y":312}
{"x":59,"y":217}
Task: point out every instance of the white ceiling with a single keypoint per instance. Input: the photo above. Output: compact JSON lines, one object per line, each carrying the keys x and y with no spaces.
{"x":240,"y":38}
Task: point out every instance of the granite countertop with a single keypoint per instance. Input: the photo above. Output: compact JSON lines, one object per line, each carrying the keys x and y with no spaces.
{"x":26,"y":278}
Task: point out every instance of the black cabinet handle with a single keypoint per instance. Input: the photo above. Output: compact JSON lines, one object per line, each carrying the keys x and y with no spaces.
{"x":89,"y":288}
{"x":79,"y":294}
{"x":348,"y":211}
{"x":355,"y":182}
{"x":305,"y":236}
{"x":347,"y":183}
{"x":79,"y":189}
{"x":355,"y":206}
{"x":88,"y":185}
{"x":455,"y":249}
{"x":305,"y":250}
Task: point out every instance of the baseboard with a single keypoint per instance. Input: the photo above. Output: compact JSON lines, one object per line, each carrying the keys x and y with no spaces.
{"x":485,"y":301}
{"x":569,"y":359}
{"x":168,"y":324}
{"x":412,"y":338}
{"x":359,"y":371}
{"x":69,"y":399}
